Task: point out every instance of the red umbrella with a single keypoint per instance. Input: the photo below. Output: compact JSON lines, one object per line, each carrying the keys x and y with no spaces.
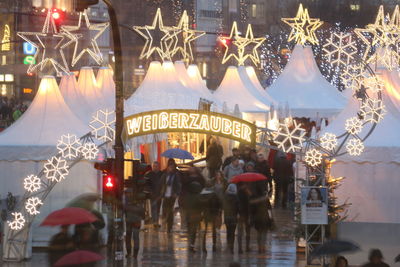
{"x":78,"y":257}
{"x":248,"y":177}
{"x":70,"y":215}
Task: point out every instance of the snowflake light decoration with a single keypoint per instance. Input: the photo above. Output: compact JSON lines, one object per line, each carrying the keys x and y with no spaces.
{"x":56,"y":169}
{"x":313,"y":157}
{"x":329,"y":141}
{"x":89,"y":151}
{"x":32,"y":205}
{"x":352,"y":77}
{"x":32,"y":183}
{"x":373,"y":110}
{"x":355,"y":147}
{"x":18,"y":222}
{"x":103,"y":125}
{"x":353,"y":125}
{"x":375,"y":84}
{"x":289,"y":139}
{"x":69,"y":146}
{"x":340,"y":49}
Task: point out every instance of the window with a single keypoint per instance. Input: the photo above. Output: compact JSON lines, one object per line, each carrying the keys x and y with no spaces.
{"x":233,"y":7}
{"x":253,"y":10}
{"x":209,"y":13}
{"x":9,"y":77}
{"x":204,"y":69}
{"x":3,"y":60}
{"x":3,"y":89}
{"x":1,"y":77}
{"x":355,"y":7}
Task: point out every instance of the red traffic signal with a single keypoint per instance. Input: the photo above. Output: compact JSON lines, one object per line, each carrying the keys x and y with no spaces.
{"x":109,"y":182}
{"x":56,"y":14}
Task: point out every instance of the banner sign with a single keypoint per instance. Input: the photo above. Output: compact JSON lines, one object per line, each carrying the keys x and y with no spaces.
{"x":190,"y":120}
{"x":314,"y":205}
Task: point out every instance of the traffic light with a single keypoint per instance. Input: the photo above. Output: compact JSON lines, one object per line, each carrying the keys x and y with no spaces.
{"x":81,"y":5}
{"x":58,"y":17}
{"x":109,"y":179}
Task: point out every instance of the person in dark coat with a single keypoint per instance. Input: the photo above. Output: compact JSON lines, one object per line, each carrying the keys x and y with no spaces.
{"x":214,"y":157}
{"x":134,"y":214}
{"x":171,"y":189}
{"x":218,"y":184}
{"x":244,"y":216}
{"x":263,"y":167}
{"x":60,"y":244}
{"x":375,"y":259}
{"x":228,"y":160}
{"x":193,"y":211}
{"x":154,"y":177}
{"x":211,"y":208}
{"x":283,"y":174}
{"x":231,"y":213}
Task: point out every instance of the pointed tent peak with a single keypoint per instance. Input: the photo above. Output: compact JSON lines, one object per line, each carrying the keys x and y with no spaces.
{"x":86,"y":77}
{"x":88,"y":88}
{"x":182,"y":73}
{"x":236,"y":111}
{"x":47,"y":118}
{"x":106,"y":86}
{"x":194,"y":72}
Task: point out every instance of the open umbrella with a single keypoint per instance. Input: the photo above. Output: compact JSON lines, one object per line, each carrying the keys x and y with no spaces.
{"x":177,"y":153}
{"x":67,"y":216}
{"x":248,"y":177}
{"x":334,"y":247}
{"x":78,"y":257}
{"x":85,"y":201}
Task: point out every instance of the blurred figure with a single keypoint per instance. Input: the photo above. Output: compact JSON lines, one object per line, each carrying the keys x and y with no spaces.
{"x":154,"y":177}
{"x":244,"y":216}
{"x":193,"y":212}
{"x":228,"y":160}
{"x":214,"y":157}
{"x":341,"y":262}
{"x":231,"y":212}
{"x":233,"y":169}
{"x":250,"y":167}
{"x":171,"y":189}
{"x":263,"y":167}
{"x":211,"y":207}
{"x":234,"y":264}
{"x":134,"y":214}
{"x":60,"y":244}
{"x":283,"y":174}
{"x":218,"y":184}
{"x":375,"y":259}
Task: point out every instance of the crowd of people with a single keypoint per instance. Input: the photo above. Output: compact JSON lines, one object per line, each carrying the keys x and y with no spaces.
{"x":10,"y":111}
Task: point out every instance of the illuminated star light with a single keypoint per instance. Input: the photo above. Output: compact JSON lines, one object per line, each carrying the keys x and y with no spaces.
{"x":340,"y":49}
{"x":158,"y":38}
{"x":255,"y":42}
{"x":38,"y":40}
{"x":32,"y":183}
{"x":329,"y":141}
{"x":103,"y":125}
{"x":373,"y":110}
{"x":32,"y":205}
{"x":89,"y":151}
{"x":355,"y":147}
{"x":303,"y":27}
{"x":353,"y":125}
{"x":184,"y":38}
{"x":69,"y":146}
{"x":290,"y":139}
{"x":18,"y":222}
{"x":56,"y":169}
{"x":313,"y":157}
{"x":93,"y":49}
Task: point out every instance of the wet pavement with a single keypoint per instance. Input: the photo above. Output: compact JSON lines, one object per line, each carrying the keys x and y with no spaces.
{"x":161,"y":249}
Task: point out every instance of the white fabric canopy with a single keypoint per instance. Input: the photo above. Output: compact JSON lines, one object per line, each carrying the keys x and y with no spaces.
{"x":106,"y":86}
{"x":303,"y":87}
{"x":88,"y":88}
{"x":233,"y":90}
{"x":35,"y":134}
{"x":371,"y":183}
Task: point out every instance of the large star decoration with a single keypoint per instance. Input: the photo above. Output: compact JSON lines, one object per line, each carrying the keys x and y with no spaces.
{"x":74,"y":37}
{"x":184,"y":38}
{"x":236,"y":47}
{"x":303,"y":27}
{"x":48,"y":44}
{"x":158,"y":38}
{"x":382,"y":38}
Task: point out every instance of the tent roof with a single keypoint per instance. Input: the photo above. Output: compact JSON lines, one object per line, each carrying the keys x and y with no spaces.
{"x":302,"y":85}
{"x":234,"y":90}
{"x":161,"y":89}
{"x":106,"y":86}
{"x":35,"y":134}
{"x":88,"y":88}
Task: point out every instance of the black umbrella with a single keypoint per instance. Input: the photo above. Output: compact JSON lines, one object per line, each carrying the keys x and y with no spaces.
{"x":397,"y":259}
{"x":334,"y":247}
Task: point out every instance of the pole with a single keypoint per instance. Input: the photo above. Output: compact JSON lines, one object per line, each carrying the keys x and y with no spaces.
{"x":118,"y":147}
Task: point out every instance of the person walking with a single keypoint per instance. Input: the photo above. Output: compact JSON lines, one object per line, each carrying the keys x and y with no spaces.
{"x":60,"y":244}
{"x":375,"y":259}
{"x":171,"y":189}
{"x":193,"y":212}
{"x":134,"y":214}
{"x":231,"y":212}
{"x":233,"y":169}
{"x":244,"y":216}
{"x":214,"y":157}
{"x":228,"y":160}
{"x":154,"y":178}
{"x":263,"y":167}
{"x":218,"y":184}
{"x":283,"y":174}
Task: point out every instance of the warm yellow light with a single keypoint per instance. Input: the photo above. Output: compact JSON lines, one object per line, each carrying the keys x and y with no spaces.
{"x":192,"y":72}
{"x":5,"y":42}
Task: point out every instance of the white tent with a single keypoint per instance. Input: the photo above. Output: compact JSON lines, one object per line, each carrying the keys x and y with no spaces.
{"x":161,"y":89}
{"x":88,"y":88}
{"x":30,"y":141}
{"x":106,"y":86}
{"x":371,"y":183}
{"x":74,"y":98}
{"x":254,"y":86}
{"x":302,"y":85}
{"x":233,"y":90}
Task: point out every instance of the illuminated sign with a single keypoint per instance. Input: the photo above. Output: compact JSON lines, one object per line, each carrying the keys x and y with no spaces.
{"x":28,"y":48}
{"x":5,"y":42}
{"x":27,"y":91}
{"x":188,"y":120}
{"x":29,"y":60}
